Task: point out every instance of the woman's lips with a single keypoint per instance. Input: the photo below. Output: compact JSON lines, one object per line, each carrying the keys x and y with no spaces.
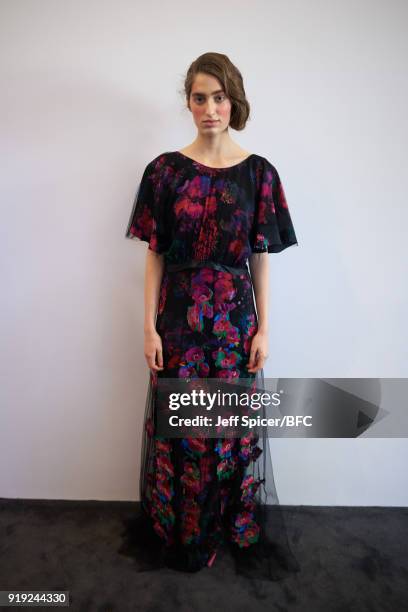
{"x":210,"y":122}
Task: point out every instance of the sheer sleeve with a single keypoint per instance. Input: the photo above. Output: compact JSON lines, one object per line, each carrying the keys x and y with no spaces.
{"x":147,"y":220}
{"x":272,"y":229}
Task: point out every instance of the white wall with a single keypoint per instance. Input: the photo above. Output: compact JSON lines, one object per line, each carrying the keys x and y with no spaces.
{"x":90,"y":94}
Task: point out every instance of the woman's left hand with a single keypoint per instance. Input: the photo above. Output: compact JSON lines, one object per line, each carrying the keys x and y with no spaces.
{"x":259,"y":352}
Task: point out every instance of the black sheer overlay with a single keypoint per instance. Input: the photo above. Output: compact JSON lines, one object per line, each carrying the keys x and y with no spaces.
{"x":269,"y":558}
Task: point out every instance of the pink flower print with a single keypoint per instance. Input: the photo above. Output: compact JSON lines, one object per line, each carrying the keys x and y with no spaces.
{"x":195,"y":317}
{"x":194,"y":354}
{"x":247,"y":439}
{"x":224,"y":447}
{"x":207,"y":240}
{"x":164,"y":463}
{"x":190,"y":520}
{"x":145,"y":223}
{"x":195,"y":188}
{"x":266,"y":186}
{"x":228,"y":374}
{"x":223,"y":308}
{"x":160,"y":509}
{"x":245,"y":450}
{"x":197,"y":446}
{"x":212,"y":204}
{"x":203,"y":369}
{"x":207,"y":310}
{"x":233,"y":336}
{"x":184,"y":206}
{"x":224,"y":275}
{"x":243,"y":519}
{"x":191,"y":478}
{"x":201,"y":293}
{"x":224,"y":290}
{"x":187,"y":371}
{"x":162,"y":446}
{"x":221,"y":325}
{"x":164,"y":487}
{"x":261,"y":241}
{"x":196,"y":313}
{"x":225,"y":358}
{"x":167,"y":513}
{"x":251,"y":325}
{"x":204,"y":275}
{"x":236,"y":247}
{"x":247,"y":482}
{"x":226,"y":467}
{"x":249,"y":487}
{"x":262,"y":209}
{"x":245,"y":531}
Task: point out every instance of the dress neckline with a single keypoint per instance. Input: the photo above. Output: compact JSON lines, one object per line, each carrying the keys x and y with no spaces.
{"x":194,"y":161}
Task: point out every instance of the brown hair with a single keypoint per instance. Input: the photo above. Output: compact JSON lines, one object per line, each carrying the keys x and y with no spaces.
{"x":221,"y":67}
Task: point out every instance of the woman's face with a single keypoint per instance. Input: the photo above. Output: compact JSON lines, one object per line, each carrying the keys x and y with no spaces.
{"x":209,"y":102}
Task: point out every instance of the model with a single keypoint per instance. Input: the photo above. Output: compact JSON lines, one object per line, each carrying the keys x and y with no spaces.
{"x":210,"y":213}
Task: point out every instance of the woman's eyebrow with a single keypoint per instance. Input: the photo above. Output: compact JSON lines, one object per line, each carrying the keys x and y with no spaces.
{"x":198,"y":93}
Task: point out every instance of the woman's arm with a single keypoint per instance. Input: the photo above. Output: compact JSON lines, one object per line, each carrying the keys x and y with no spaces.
{"x":152,"y":341}
{"x":259,"y":268}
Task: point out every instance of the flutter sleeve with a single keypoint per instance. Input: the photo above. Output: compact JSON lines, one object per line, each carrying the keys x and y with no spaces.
{"x":147,"y":220}
{"x":272,"y":229}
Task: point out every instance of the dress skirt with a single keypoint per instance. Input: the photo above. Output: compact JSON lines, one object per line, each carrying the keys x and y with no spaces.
{"x":200,"y":494}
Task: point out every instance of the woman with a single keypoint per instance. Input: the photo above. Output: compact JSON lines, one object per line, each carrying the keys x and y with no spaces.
{"x":206,"y":211}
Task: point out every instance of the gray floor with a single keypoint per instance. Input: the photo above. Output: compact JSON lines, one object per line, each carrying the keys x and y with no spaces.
{"x":351,"y":559}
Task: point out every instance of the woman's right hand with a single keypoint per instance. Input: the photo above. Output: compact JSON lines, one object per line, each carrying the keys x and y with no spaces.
{"x":153,"y":350}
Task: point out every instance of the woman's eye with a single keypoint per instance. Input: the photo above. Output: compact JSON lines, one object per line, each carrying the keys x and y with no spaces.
{"x":218,"y":98}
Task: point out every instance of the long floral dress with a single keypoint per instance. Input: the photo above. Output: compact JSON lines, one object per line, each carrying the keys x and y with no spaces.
{"x":199,"y":493}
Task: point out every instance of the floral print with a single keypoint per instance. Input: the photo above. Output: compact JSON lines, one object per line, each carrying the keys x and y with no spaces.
{"x":161,"y":510}
{"x":206,"y":222}
{"x":188,"y":211}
